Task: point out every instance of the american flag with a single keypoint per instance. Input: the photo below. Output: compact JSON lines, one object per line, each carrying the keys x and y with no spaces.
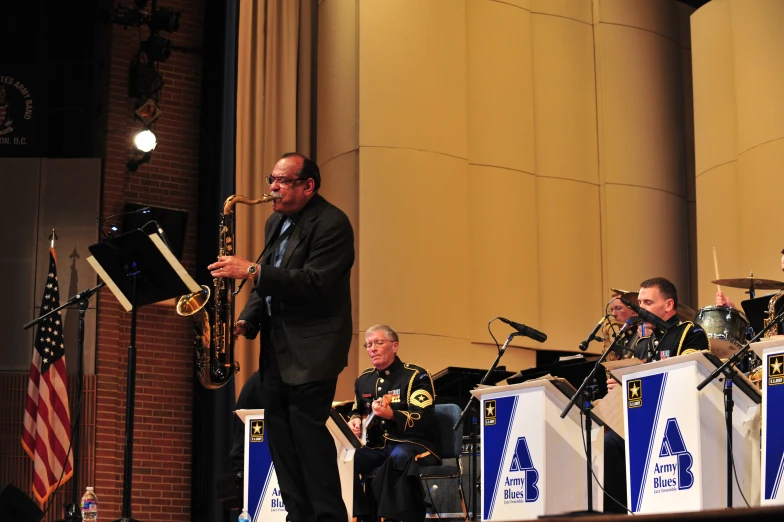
{"x":46,"y":435}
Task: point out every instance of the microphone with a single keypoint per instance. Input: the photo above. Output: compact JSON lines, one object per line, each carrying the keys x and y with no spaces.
{"x":592,"y":335}
{"x":647,"y":316}
{"x":163,"y":235}
{"x":527,"y":331}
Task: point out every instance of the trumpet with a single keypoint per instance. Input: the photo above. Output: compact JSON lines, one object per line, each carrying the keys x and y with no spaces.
{"x":213,"y":337}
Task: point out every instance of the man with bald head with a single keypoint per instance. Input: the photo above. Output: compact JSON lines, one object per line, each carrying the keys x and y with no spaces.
{"x":301,"y":306}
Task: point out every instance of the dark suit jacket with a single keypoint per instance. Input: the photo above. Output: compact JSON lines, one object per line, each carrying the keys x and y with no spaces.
{"x":310,"y":327}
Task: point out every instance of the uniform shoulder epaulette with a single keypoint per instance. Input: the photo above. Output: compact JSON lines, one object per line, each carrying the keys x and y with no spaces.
{"x":367,"y":370}
{"x":410,"y":366}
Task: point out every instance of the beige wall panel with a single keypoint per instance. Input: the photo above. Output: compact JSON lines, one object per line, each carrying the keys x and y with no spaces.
{"x":758,"y":28}
{"x":579,"y":10}
{"x":412,"y":84}
{"x":500,"y":88}
{"x":570,"y":264}
{"x":688,"y":124}
{"x":564,"y":99}
{"x":522,"y":4}
{"x":503,"y":279}
{"x":713,"y":76}
{"x":719,"y":225}
{"x":660,"y":248}
{"x":640,"y":118}
{"x":761,"y":184}
{"x":413,"y":242}
{"x":340,"y":185}
{"x":657,"y":16}
{"x":337,"y":122}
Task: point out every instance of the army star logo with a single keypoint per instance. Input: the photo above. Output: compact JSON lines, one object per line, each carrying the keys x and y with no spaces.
{"x":634,"y":393}
{"x":257,"y":430}
{"x":421,"y":398}
{"x":775,"y":369}
{"x":490,"y":412}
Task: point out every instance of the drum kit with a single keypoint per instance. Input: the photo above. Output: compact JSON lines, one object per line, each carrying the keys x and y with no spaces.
{"x":727,"y":328}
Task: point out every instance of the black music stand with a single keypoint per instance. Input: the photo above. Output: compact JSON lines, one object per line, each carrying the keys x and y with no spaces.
{"x":140,"y":270}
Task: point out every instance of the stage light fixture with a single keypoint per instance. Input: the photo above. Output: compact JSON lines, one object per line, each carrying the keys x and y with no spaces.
{"x":134,"y":164}
{"x":145,"y":141}
{"x":122,"y":15}
{"x":148,"y":112}
{"x":144,"y":80}
{"x":157,"y":48}
{"x":165,"y":20}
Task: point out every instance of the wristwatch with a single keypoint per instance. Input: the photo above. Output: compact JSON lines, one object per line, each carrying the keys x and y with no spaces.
{"x":252,"y":271}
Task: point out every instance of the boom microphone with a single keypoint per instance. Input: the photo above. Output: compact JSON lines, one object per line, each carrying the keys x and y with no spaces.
{"x":647,"y":316}
{"x":592,"y":335}
{"x":527,"y":331}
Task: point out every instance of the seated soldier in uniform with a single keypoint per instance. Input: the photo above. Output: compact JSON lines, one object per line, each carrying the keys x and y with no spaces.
{"x":660,"y":297}
{"x":404,"y":428}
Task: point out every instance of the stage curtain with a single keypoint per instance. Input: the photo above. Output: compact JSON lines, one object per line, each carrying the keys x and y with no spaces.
{"x":275,"y":114}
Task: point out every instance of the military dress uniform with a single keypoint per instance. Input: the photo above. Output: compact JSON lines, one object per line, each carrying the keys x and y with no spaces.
{"x":681,"y":338}
{"x":412,"y":433}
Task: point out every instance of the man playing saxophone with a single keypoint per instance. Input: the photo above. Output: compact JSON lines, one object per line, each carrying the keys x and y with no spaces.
{"x":301,"y":307}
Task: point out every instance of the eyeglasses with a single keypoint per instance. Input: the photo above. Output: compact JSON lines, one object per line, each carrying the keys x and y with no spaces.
{"x":377,"y":342}
{"x":282,"y":180}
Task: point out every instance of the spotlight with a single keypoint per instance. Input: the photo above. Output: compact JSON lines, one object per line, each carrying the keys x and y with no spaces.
{"x":165,"y":20}
{"x":145,"y":141}
{"x":148,"y":112}
{"x":157,"y":48}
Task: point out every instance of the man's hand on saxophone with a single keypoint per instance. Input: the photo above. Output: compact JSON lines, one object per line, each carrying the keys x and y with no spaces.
{"x":234,"y":267}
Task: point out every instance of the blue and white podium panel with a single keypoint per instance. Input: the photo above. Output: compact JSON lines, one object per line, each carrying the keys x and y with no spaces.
{"x":771,"y":353}
{"x":262,"y":496}
{"x":530,"y":454}
{"x":676,"y":437}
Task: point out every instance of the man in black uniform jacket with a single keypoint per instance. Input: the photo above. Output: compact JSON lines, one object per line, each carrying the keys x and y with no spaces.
{"x":659,"y":296}
{"x":400,"y":431}
{"x":301,"y":305}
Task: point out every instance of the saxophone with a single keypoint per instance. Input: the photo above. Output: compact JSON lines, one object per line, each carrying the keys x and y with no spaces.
{"x":774,"y":330}
{"x":214,"y":340}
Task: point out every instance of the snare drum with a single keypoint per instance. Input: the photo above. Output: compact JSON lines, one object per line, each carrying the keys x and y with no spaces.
{"x":726,"y":328}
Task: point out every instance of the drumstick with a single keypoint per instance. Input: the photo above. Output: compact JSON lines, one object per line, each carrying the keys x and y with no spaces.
{"x":716,"y":268}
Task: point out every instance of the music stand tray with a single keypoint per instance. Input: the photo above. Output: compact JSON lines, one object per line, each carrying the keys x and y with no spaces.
{"x":162,"y":276}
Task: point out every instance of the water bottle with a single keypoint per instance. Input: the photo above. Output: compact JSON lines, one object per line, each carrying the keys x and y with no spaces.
{"x":244,"y":517}
{"x":89,"y":505}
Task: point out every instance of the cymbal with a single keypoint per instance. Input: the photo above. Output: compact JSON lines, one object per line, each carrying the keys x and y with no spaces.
{"x":617,"y":291}
{"x":748,"y":282}
{"x":685,"y":312}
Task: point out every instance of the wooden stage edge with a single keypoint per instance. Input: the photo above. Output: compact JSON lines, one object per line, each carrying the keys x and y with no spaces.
{"x":758,"y":514}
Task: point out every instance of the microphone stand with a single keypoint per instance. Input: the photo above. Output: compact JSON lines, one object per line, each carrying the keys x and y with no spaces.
{"x":72,"y":511}
{"x":586,"y":392}
{"x":472,"y":470}
{"x":729,"y":371}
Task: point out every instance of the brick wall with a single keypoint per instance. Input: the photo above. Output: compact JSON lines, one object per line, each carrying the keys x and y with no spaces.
{"x":164,"y":379}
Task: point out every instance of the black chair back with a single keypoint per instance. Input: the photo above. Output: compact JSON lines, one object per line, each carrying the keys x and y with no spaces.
{"x":451,"y":440}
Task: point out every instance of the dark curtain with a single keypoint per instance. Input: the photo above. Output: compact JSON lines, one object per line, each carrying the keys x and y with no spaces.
{"x":213,"y":409}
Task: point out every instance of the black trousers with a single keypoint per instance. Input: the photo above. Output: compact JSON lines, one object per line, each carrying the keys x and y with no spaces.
{"x":366,"y":460}
{"x":301,"y":446}
{"x":614,"y":472}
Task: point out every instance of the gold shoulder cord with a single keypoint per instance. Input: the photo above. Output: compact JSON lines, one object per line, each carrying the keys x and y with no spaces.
{"x":683,"y":338}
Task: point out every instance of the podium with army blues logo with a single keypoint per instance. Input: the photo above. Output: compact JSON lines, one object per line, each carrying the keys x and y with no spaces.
{"x":676,"y":437}
{"x":261,"y":493}
{"x":533,"y":461}
{"x":771,"y":353}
